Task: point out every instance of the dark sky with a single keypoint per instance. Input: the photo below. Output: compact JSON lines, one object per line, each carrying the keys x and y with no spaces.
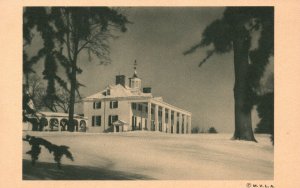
{"x":156,"y":39}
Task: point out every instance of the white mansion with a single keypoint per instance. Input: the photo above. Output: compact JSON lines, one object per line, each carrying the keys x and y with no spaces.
{"x":120,"y":108}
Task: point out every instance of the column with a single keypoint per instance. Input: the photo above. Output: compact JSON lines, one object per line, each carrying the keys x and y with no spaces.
{"x":185,"y":124}
{"x":59,"y":127}
{"x":168,"y":127}
{"x":175,"y":123}
{"x":48,"y":125}
{"x":141,"y":119}
{"x":163,"y":119}
{"x":149,"y":117}
{"x":180,"y":123}
{"x":190,"y":124}
{"x":156,"y":117}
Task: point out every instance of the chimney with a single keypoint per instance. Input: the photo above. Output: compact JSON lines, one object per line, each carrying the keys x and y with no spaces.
{"x":147,"y":90}
{"x":120,"y":79}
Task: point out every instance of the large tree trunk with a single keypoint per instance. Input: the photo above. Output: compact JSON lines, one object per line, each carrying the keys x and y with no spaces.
{"x":71,"y":123}
{"x":243,"y":123}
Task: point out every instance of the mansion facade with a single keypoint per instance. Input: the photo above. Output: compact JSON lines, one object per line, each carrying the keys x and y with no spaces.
{"x":122,"y":107}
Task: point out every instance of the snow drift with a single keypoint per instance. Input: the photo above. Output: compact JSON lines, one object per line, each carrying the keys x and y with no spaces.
{"x":153,"y":155}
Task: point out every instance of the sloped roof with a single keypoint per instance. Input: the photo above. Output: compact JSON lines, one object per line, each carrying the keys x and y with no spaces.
{"x":118,"y":91}
{"x":120,"y":122}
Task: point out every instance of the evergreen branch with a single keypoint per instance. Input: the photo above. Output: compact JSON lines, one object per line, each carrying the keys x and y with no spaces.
{"x":193,"y":49}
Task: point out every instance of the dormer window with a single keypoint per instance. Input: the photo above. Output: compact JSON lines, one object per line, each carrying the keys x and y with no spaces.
{"x":106,"y":93}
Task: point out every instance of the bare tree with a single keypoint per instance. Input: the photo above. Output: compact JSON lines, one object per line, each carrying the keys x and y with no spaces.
{"x":63,"y":98}
{"x":38,"y":93}
{"x":67,"y":32}
{"x":37,"y":90}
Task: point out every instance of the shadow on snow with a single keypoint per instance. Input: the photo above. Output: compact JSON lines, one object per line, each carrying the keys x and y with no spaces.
{"x":48,"y":171}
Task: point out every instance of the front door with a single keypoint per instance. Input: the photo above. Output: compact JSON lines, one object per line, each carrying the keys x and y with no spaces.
{"x":117,"y":129}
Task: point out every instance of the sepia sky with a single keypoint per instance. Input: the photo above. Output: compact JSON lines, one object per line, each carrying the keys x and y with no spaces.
{"x":156,"y":39}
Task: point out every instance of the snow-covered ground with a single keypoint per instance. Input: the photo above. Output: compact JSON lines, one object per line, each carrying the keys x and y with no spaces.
{"x":153,"y":155}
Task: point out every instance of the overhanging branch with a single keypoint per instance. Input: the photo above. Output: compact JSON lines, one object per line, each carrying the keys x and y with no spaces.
{"x":209,"y":54}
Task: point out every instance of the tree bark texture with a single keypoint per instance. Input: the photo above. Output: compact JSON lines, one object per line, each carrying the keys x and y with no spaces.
{"x":72,"y":91}
{"x":72,"y":101}
{"x":243,"y":123}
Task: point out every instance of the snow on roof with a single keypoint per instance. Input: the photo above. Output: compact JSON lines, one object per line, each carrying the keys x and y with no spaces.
{"x":58,"y":114}
{"x":118,"y":91}
{"x":120,"y":122}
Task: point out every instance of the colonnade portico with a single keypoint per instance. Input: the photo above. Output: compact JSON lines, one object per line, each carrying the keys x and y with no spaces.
{"x":167,"y":118}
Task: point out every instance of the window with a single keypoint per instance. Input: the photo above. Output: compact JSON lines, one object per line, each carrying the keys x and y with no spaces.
{"x":113,"y":104}
{"x":133,"y":106}
{"x":167,"y":117}
{"x":96,"y":121}
{"x":160,"y":113}
{"x":112,"y":118}
{"x":97,"y":105}
{"x":134,"y":123}
{"x":140,"y":107}
{"x":133,"y":120}
{"x":107,"y":92}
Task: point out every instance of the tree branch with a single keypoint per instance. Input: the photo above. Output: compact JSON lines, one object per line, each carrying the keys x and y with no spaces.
{"x":209,"y":54}
{"x":192,"y":49}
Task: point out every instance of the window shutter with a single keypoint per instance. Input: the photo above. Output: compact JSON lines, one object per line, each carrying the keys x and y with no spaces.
{"x":93,"y":120}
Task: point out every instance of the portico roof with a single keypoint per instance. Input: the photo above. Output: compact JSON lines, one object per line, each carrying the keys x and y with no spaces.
{"x":119,"y":123}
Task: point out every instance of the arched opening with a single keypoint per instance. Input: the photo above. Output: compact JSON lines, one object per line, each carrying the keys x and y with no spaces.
{"x":82,"y":126}
{"x":75,"y":125}
{"x":63,"y":124}
{"x":53,"y":124}
{"x":43,"y":123}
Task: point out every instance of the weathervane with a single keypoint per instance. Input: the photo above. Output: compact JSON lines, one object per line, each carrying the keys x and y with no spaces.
{"x":135,"y":72}
{"x":135,"y":64}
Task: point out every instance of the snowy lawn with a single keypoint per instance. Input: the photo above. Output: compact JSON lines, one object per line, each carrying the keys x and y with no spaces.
{"x":153,"y":155}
